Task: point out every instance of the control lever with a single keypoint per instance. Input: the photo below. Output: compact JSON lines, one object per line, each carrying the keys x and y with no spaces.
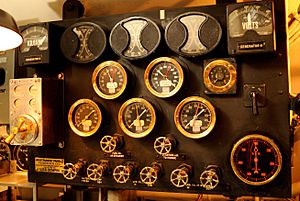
{"x":253,"y":96}
{"x":15,"y":131}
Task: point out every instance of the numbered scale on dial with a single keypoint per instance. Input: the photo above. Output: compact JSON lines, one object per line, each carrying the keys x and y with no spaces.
{"x":35,"y":46}
{"x":250,"y":27}
{"x":193,"y":34}
{"x":195,"y":117}
{"x":109,"y":80}
{"x":137,"y":117}
{"x":220,"y":76}
{"x":164,"y":77}
{"x":83,"y":42}
{"x":256,"y":159}
{"x":135,"y":37}
{"x":84,"y":117}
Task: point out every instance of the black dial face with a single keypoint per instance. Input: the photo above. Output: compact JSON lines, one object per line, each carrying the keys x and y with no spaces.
{"x":219,"y":76}
{"x":84,"y":117}
{"x":253,"y":17}
{"x":256,"y":160}
{"x":109,"y":80}
{"x":135,"y":37}
{"x":83,"y":42}
{"x":20,"y":154}
{"x":137,"y":117}
{"x":34,"y":36}
{"x":195,"y":117}
{"x":163,"y":77}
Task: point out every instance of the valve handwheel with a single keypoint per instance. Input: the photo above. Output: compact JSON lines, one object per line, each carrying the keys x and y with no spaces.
{"x":162,"y":145}
{"x":95,"y":171}
{"x":209,"y":179}
{"x":69,"y":171}
{"x":179,"y":177}
{"x":108,"y":144}
{"x":149,"y":175}
{"x":122,"y":173}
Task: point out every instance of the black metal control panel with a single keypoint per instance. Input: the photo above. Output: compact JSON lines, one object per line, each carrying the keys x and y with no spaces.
{"x":168,"y":101}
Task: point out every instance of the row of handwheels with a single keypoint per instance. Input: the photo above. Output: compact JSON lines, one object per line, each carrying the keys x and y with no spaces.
{"x":149,"y":175}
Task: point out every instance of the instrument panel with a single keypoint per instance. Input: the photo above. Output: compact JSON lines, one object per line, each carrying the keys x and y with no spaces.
{"x":163,"y":105}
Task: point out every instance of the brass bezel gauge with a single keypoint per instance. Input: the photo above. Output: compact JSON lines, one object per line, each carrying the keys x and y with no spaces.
{"x":260,"y":155}
{"x":195,"y":117}
{"x":137,"y":117}
{"x":219,"y":76}
{"x":163,"y":77}
{"x":109,"y":80}
{"x":84,"y":117}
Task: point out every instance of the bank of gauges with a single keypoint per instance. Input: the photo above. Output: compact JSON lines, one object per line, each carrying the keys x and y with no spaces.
{"x":251,"y":27}
{"x":135,"y":37}
{"x":137,"y":117}
{"x":193,"y":34}
{"x":220,"y":76}
{"x":35,"y":46}
{"x":109,"y":80}
{"x":256,"y":159}
{"x":164,"y":77}
{"x":195,"y":117}
{"x":84,"y":117}
{"x":83,"y":42}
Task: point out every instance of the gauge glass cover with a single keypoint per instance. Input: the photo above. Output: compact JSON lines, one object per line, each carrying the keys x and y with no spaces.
{"x":34,"y":36}
{"x":256,"y":160}
{"x":195,"y":117}
{"x":137,"y":117}
{"x":109,"y":80}
{"x":84,"y":117}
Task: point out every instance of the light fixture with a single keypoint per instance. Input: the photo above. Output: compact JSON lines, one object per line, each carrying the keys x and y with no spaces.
{"x":9,"y":33}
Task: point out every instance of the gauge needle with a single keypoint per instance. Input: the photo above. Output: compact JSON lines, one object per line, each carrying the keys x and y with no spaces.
{"x":174,"y":85}
{"x":255,"y":159}
{"x":168,"y":70}
{"x":138,"y":117}
{"x":110,"y":78}
{"x":85,"y":118}
{"x":42,"y":40}
{"x":194,"y":118}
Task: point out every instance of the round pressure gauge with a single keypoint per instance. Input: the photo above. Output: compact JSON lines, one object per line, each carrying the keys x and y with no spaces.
{"x":195,"y":117}
{"x":219,"y":76}
{"x":256,"y":159}
{"x":193,"y":34}
{"x":137,"y":117}
{"x":109,"y":79}
{"x":135,"y":37}
{"x":83,"y":42}
{"x":20,"y":154}
{"x":84,"y":117}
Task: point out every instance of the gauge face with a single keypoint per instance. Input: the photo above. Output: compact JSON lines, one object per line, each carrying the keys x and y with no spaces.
{"x":27,"y":128}
{"x":137,"y":117}
{"x":84,"y":117}
{"x":193,"y":34}
{"x":220,"y":76}
{"x":195,"y":117}
{"x":20,"y":154}
{"x":164,"y":77}
{"x":109,"y":80}
{"x":250,"y":27}
{"x":135,"y":37}
{"x":83,"y":42}
{"x":34,"y":36}
{"x":256,"y":160}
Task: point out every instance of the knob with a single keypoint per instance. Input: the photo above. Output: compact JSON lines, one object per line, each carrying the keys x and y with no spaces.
{"x":180,"y":176}
{"x":71,"y":170}
{"x":149,"y":174}
{"x":163,"y":145}
{"x":96,"y":171}
{"x":122,"y":173}
{"x":209,"y":179}
{"x":109,"y":143}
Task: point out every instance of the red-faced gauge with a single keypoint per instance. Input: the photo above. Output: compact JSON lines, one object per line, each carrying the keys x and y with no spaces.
{"x":256,"y":159}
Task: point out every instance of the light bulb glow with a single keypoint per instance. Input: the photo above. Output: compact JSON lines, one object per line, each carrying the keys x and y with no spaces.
{"x":9,"y":39}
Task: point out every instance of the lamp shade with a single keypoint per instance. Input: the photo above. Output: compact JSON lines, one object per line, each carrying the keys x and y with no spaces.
{"x":9,"y":33}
